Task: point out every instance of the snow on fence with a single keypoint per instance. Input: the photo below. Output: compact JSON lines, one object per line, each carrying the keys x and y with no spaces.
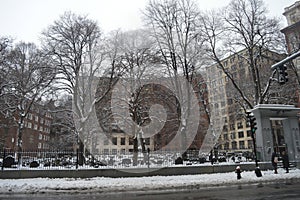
{"x":33,"y":160}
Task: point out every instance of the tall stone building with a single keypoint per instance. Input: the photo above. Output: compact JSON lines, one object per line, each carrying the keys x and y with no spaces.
{"x":292,"y":34}
{"x":230,"y":123}
{"x":292,"y":31}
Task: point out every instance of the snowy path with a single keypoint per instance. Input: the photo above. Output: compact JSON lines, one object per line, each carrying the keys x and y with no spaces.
{"x":102,"y":184}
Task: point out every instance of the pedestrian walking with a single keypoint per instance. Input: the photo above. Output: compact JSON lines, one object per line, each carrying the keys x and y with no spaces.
{"x":274,"y":160}
{"x":285,"y":161}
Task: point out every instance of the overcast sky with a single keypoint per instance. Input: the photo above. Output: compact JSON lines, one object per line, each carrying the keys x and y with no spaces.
{"x":26,"y":19}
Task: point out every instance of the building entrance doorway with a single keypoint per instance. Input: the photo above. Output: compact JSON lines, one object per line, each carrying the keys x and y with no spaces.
{"x":279,"y":143}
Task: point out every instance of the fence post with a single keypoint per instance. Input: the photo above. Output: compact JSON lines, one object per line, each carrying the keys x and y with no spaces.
{"x":4,"y":152}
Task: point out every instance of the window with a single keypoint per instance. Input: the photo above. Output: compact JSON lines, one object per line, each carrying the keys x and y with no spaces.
{"x":248,"y":133}
{"x":225,"y":63}
{"x":240,"y":125}
{"x":29,"y":125}
{"x":41,"y":128}
{"x":234,"y":145}
{"x":114,"y":151}
{"x":250,"y":144}
{"x":232,"y":127}
{"x":35,"y":127}
{"x":242,"y":144}
{"x":123,"y":141}
{"x":25,"y":124}
{"x":241,"y":134}
{"x":42,"y":121}
{"x":226,"y":146}
{"x":225,"y":136}
{"x":29,"y":116}
{"x":106,"y":151}
{"x":36,"y":118}
{"x":39,"y":145}
{"x":47,"y":122}
{"x":114,"y":140}
{"x":225,"y":128}
{"x":40,"y":136}
{"x":232,"y":135}
{"x":47,"y":130}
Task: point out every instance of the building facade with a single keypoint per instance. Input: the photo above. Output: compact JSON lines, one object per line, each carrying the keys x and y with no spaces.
{"x":36,"y":131}
{"x":234,"y":131}
{"x":292,"y":34}
{"x":115,"y":141}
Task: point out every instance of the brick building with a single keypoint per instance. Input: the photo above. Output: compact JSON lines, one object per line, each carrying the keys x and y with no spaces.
{"x":117,"y":141}
{"x":36,"y":132}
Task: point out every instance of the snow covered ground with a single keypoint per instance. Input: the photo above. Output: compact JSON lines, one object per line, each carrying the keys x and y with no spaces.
{"x":102,"y":184}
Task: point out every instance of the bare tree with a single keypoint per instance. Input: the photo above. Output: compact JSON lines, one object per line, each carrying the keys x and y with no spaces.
{"x":74,"y":42}
{"x":130,"y":56}
{"x":243,"y":30}
{"x":63,"y":133}
{"x":29,"y":74}
{"x":6,"y":120}
{"x":173,"y":24}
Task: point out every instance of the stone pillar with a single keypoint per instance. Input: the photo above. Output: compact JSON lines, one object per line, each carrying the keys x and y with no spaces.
{"x":292,"y":138}
{"x":264,"y":138}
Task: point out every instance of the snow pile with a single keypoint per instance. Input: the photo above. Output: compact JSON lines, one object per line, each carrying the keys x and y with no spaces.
{"x":102,"y":184}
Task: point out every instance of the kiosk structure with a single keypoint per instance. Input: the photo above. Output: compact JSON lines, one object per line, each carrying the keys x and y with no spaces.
{"x":277,"y":130}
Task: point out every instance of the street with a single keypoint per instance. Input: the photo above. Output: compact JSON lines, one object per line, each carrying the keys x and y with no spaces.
{"x":280,"y":190}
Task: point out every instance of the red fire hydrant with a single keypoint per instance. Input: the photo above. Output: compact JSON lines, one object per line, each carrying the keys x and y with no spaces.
{"x":238,"y":172}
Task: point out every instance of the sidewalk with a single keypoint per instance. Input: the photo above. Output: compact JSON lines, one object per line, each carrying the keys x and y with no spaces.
{"x":103,"y":184}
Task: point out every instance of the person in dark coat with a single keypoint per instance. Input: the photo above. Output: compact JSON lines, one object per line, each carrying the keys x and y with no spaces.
{"x":274,"y":160}
{"x":285,"y":161}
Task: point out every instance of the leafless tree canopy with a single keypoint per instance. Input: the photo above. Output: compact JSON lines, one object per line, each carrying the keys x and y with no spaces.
{"x":68,"y":40}
{"x":178,"y":40}
{"x":244,"y":30}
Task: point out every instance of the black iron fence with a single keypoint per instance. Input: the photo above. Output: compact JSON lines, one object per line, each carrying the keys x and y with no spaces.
{"x":75,"y":160}
{"x":33,"y":160}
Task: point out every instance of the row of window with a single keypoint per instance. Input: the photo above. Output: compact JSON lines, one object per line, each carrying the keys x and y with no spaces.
{"x":43,"y":146}
{"x":36,"y":127}
{"x":240,"y":134}
{"x":232,"y":127}
{"x":44,"y":137}
{"x":38,"y":119}
{"x":123,"y":141}
{"x":238,"y":145}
